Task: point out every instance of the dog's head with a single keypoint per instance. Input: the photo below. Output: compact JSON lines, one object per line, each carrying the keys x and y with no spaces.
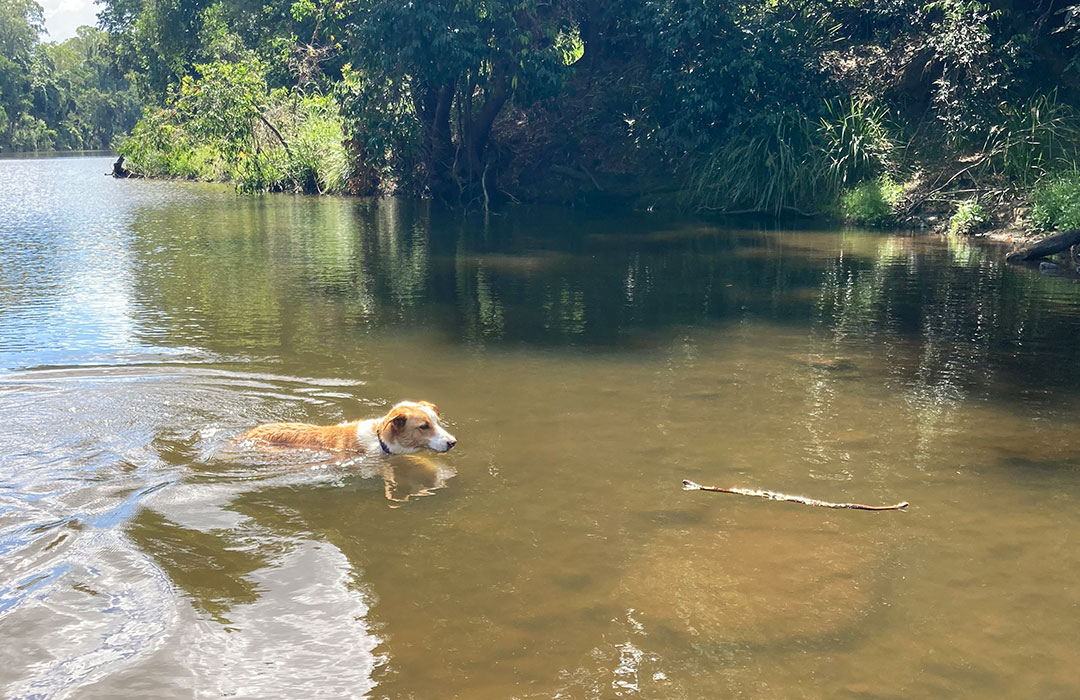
{"x":411,"y":426}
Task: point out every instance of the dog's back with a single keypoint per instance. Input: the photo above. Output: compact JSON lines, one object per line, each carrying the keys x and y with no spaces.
{"x":339,"y":437}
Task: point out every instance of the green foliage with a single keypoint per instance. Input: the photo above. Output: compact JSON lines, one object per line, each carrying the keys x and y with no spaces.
{"x":62,"y":96}
{"x":570,"y":46}
{"x":416,"y":64}
{"x":725,"y":71}
{"x":1034,"y":139}
{"x":752,"y":94}
{"x":968,"y":218}
{"x":771,"y":167}
{"x":855,"y":139}
{"x":977,"y":62}
{"x":385,"y":129}
{"x":28,"y":133}
{"x":316,"y":160}
{"x":872,"y":202}
{"x":763,"y":105}
{"x":226,"y":125}
{"x":1055,"y":203}
{"x":778,"y":163}
{"x":95,"y":104}
{"x":21,"y":24}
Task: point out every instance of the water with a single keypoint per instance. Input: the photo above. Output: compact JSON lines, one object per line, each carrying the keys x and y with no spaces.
{"x":587,"y":363}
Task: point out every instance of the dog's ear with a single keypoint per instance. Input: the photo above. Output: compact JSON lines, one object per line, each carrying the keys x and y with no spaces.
{"x":394,"y":420}
{"x":433,"y":407}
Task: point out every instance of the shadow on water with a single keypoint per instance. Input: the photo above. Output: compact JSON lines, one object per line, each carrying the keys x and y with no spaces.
{"x":588,"y":361}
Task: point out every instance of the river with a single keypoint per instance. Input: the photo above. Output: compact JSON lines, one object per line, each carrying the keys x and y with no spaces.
{"x":587,"y":362}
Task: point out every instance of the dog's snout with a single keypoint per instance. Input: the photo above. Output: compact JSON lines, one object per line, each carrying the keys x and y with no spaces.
{"x":450,"y":444}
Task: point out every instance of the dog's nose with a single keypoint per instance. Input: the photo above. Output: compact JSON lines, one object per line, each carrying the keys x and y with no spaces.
{"x":450,"y":444}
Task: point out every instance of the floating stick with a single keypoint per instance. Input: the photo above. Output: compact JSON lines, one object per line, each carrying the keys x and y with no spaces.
{"x":773,"y":496}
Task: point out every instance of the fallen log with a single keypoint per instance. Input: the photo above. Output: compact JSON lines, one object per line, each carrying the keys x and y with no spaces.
{"x":773,"y":496}
{"x":1047,"y":246}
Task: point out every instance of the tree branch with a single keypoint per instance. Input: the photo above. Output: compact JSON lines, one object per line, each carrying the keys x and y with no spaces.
{"x":273,"y":130}
{"x":773,"y":496}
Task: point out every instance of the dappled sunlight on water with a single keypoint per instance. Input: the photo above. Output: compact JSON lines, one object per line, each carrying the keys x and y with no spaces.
{"x":587,"y":365}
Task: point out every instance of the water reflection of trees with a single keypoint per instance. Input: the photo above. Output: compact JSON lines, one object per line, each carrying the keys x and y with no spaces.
{"x":297,"y":275}
{"x":212,"y":571}
{"x":946,"y":324}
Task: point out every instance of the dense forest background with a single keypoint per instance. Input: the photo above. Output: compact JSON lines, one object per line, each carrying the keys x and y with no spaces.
{"x":69,"y":95}
{"x":877,"y":111}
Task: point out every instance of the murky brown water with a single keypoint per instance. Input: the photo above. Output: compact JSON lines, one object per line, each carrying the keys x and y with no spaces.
{"x":587,"y":364}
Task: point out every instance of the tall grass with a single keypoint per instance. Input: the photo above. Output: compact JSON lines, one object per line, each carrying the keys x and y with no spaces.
{"x":855,"y":140}
{"x":316,"y":159}
{"x":789,"y":162}
{"x":1034,"y":140}
{"x":767,"y":168}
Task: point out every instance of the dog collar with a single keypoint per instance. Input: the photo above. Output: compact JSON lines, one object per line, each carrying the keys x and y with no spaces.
{"x":382,"y":444}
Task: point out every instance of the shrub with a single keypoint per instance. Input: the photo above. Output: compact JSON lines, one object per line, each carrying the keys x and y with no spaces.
{"x":871,"y":202}
{"x":976,"y":64}
{"x":225,"y":126}
{"x":968,"y":218}
{"x":1055,"y":203}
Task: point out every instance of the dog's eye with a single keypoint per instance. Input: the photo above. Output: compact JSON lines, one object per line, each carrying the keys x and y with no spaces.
{"x":425,"y":426}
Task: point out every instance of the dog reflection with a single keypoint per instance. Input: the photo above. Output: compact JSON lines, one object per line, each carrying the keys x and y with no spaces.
{"x":412,"y":475}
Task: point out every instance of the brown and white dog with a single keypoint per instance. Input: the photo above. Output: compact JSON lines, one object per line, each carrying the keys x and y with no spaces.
{"x":408,"y":427}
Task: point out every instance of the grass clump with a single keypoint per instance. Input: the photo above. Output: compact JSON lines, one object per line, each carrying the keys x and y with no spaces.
{"x":871,"y":202}
{"x":855,"y":141}
{"x":1055,"y":203}
{"x":792,"y":162}
{"x":764,"y":167}
{"x":1033,"y":140}
{"x":968,"y":218}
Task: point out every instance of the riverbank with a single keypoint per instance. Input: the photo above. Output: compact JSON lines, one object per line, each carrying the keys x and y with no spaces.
{"x":1003,"y":223}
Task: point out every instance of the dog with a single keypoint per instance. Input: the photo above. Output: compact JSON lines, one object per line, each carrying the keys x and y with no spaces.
{"x":408,"y":427}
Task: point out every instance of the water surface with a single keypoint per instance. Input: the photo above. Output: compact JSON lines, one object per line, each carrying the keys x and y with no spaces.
{"x":587,"y":364}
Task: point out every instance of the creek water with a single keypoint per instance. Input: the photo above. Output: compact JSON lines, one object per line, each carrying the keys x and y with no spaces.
{"x":587,"y":363}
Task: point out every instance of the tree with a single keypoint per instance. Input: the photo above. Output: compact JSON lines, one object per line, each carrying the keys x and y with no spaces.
{"x":458,"y":63}
{"x":21,"y":23}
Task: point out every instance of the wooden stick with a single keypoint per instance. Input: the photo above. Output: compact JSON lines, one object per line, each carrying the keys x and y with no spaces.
{"x":773,"y":496}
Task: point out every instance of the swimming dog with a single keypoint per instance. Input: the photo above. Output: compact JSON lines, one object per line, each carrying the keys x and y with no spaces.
{"x":407,"y":428}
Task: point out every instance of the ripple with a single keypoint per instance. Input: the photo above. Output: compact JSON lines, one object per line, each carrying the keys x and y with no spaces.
{"x":293,"y":636}
{"x":110,"y":605}
{"x":92,"y":446}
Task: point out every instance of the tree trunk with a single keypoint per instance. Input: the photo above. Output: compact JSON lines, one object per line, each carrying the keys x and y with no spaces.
{"x":436,"y":146}
{"x":118,"y":169}
{"x":596,"y":31}
{"x":455,"y":170}
{"x":477,"y":128}
{"x":1047,"y":246}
